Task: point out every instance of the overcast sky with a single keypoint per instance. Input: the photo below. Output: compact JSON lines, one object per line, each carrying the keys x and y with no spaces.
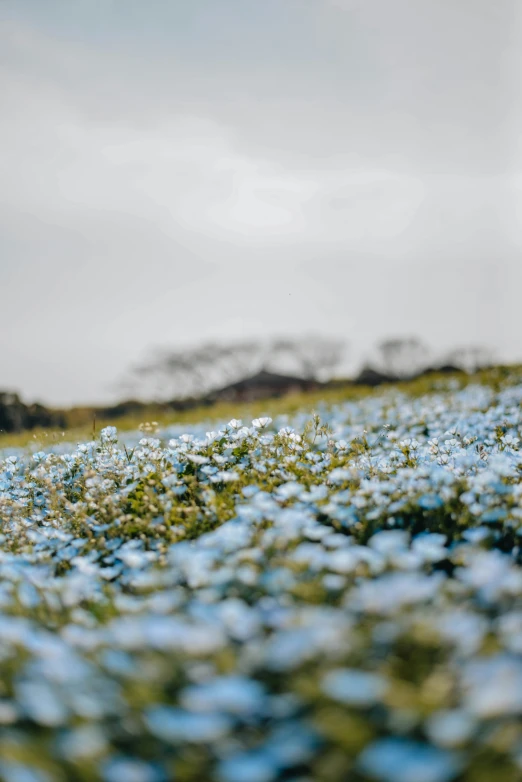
{"x":175,"y":171}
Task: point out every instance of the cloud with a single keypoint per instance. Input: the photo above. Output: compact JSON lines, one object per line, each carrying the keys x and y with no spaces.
{"x":188,"y":175}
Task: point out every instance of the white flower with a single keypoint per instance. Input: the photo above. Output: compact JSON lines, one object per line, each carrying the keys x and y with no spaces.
{"x":261,"y":423}
{"x":196,"y":458}
{"x":109,"y":434}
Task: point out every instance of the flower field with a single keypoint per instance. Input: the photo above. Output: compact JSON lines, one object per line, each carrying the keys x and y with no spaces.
{"x":318,"y":597}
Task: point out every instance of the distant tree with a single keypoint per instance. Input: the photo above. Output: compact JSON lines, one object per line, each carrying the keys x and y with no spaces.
{"x":402,"y":357}
{"x":13,"y":412}
{"x":165,"y":373}
{"x":471,"y":357}
{"x":312,"y":357}
{"x":195,"y":371}
{"x":15,"y":415}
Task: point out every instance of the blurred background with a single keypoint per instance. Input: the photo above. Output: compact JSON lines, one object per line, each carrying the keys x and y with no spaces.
{"x":194,"y":193}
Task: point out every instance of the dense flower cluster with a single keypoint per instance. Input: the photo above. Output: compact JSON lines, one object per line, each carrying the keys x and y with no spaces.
{"x":292,"y":600}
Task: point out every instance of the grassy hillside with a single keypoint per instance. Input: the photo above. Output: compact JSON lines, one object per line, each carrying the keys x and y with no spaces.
{"x":322,"y":596}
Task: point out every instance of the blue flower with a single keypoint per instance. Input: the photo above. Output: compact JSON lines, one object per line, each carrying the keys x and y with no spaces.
{"x":253,"y":766}
{"x":178,"y":725}
{"x":400,"y":760}
{"x":355,"y":687}
{"x":230,"y":694}
{"x":131,"y":770}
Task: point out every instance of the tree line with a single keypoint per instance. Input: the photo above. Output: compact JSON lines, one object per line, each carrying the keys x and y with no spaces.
{"x":197,"y":371}
{"x":183,"y":377}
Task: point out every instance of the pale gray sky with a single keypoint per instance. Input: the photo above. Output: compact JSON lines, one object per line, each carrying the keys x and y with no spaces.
{"x":175,"y":171}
